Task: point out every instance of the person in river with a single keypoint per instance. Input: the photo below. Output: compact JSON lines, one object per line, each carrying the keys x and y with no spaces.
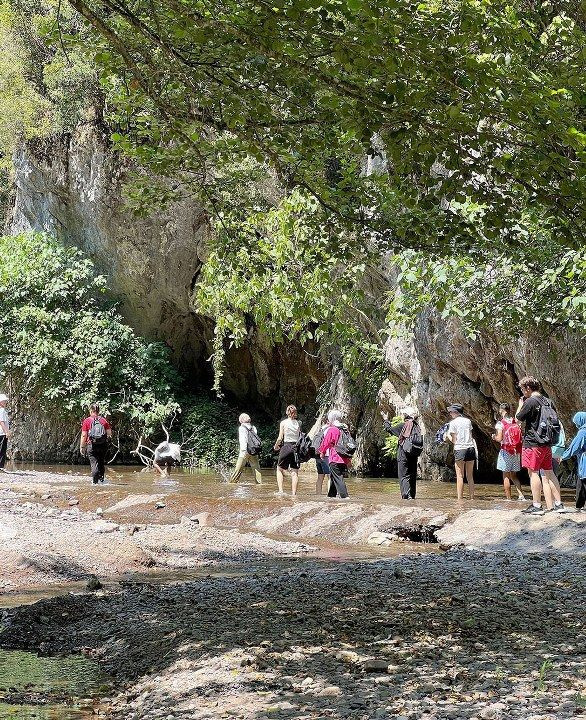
{"x":407,"y":451}
{"x":537,"y":455}
{"x":321,"y":464}
{"x":5,"y":431}
{"x":166,"y":456}
{"x":286,"y":444}
{"x":577,"y":449}
{"x":465,"y":454}
{"x":509,"y":435}
{"x":328,"y":449}
{"x":250,"y":445}
{"x":93,"y":444}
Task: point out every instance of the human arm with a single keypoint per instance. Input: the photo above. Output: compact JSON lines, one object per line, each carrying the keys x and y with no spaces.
{"x":6,"y":429}
{"x":83,"y":442}
{"x":523,"y":409}
{"x":242,"y":440}
{"x":279,"y":441}
{"x":393,"y":429}
{"x":576,"y":447}
{"x":329,"y":440}
{"x":498,"y":435}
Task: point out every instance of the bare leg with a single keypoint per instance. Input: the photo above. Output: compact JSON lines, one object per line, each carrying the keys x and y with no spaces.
{"x":319,"y":484}
{"x":507,"y":485}
{"x":551,"y":488}
{"x":536,"y":487}
{"x":517,"y":483}
{"x":460,"y":479}
{"x":294,"y":481}
{"x":470,"y":478}
{"x":280,"y":479}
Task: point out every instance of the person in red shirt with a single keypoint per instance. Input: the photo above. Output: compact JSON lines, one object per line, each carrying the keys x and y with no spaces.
{"x":337,"y":463}
{"x":95,"y":433}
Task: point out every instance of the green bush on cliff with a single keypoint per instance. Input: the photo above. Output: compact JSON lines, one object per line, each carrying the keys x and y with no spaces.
{"x":63,"y":346}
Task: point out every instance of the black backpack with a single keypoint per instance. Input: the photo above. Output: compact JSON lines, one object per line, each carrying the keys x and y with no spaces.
{"x":549,"y":428}
{"x":346,"y":445}
{"x":413,"y":444}
{"x":304,"y":449}
{"x":318,"y":439}
{"x":97,"y":433}
{"x":253,"y":443}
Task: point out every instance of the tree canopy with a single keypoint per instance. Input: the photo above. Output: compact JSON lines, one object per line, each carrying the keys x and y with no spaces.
{"x":446,"y":136}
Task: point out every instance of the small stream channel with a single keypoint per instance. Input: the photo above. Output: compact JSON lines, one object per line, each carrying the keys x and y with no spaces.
{"x":49,"y":688}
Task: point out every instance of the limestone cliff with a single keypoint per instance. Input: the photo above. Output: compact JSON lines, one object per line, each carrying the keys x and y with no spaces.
{"x":72,"y":186}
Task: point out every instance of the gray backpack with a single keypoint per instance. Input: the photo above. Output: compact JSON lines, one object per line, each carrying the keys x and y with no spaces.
{"x":97,"y":434}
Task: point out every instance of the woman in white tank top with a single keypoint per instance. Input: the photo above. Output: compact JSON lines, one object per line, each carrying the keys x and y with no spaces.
{"x":289,"y":431}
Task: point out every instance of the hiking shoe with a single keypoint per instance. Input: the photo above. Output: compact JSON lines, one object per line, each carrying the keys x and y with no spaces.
{"x":560,"y":508}
{"x":532,"y":510}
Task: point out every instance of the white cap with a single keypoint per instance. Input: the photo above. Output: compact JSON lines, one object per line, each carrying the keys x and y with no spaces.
{"x":3,"y":398}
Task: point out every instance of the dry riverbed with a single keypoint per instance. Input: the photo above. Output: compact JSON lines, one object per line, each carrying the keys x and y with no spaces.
{"x":488,"y":626}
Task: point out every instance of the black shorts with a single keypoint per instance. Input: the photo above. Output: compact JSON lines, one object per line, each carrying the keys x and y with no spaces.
{"x":287,"y":459}
{"x":322,"y":466}
{"x":166,"y":461}
{"x":468,"y":454}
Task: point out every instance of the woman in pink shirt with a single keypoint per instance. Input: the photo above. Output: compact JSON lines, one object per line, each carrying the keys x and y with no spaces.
{"x":337,"y":463}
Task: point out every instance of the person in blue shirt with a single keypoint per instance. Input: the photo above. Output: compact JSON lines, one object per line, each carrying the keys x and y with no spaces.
{"x":578,"y":449}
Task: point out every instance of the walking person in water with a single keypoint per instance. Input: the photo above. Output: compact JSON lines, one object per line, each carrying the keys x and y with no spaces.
{"x":328,"y":449}
{"x":577,"y":449}
{"x":289,"y":432}
{"x":321,"y":464}
{"x":95,"y":433}
{"x":509,"y":435}
{"x":539,"y":416}
{"x":5,"y":431}
{"x":409,"y":447}
{"x":250,"y":446}
{"x":460,"y":434}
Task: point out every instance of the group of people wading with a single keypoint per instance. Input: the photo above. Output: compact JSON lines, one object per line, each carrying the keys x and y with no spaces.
{"x":532,"y":438}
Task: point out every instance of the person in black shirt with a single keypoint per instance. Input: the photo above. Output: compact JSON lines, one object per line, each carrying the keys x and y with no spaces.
{"x":536,"y":456}
{"x":406,"y":462}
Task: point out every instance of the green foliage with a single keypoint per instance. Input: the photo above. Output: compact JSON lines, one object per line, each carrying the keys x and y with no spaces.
{"x":476,"y":108}
{"x":391,"y":441}
{"x":209,"y":431}
{"x":62,"y":346}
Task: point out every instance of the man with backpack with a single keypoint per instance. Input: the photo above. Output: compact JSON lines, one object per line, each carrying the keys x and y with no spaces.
{"x":508,"y":434}
{"x":409,"y":448}
{"x":542,"y":431}
{"x":95,"y":433}
{"x":250,"y":447}
{"x":337,"y":447}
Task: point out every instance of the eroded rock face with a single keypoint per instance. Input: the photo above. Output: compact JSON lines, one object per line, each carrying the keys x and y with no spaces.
{"x":72,"y":187}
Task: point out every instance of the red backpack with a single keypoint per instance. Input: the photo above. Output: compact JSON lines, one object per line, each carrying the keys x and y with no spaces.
{"x":512,"y":437}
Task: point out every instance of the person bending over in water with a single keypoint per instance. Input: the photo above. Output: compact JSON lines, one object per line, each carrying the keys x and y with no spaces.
{"x":166,"y":455}
{"x":289,"y":431}
{"x":508,"y":434}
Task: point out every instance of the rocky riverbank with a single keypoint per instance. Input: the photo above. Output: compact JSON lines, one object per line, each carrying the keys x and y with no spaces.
{"x":56,"y":529}
{"x":431,"y":637}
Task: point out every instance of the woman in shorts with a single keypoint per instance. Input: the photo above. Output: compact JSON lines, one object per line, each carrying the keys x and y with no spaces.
{"x":509,"y":458}
{"x":289,"y":431}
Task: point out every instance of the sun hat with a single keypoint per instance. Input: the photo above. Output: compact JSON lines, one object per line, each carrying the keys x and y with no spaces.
{"x":3,"y":397}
